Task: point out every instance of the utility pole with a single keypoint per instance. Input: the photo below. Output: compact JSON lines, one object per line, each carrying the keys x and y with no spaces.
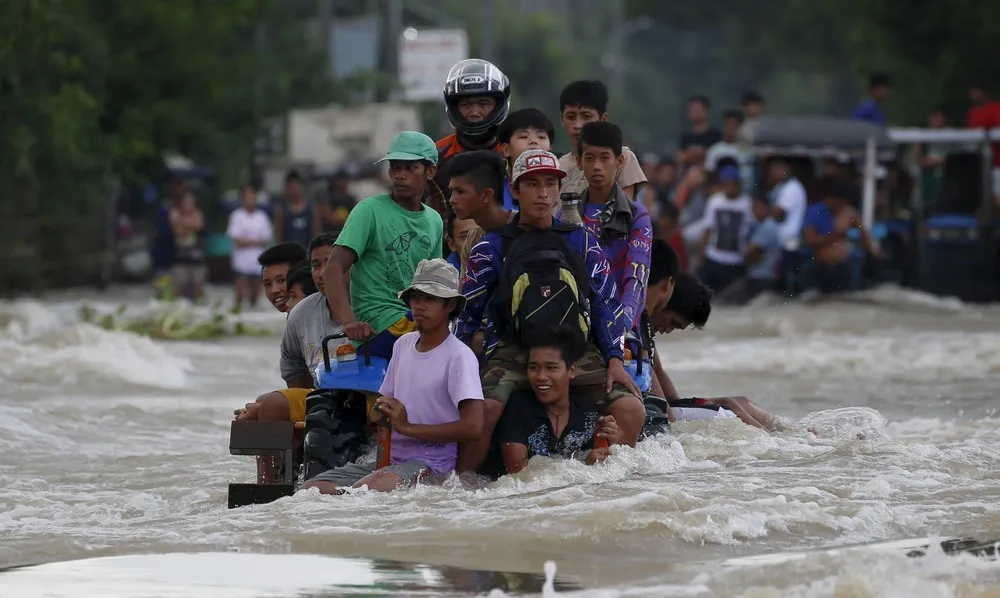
{"x":395,"y":30}
{"x":489,"y":16}
{"x":326,"y":24}
{"x":618,"y":48}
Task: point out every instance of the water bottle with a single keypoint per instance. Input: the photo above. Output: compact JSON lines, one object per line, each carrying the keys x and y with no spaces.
{"x":571,"y":208}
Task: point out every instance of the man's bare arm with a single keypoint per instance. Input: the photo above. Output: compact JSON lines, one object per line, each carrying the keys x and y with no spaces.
{"x":335,"y":283}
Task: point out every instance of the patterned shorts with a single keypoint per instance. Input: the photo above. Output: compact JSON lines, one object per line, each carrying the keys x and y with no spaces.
{"x":506,"y":373}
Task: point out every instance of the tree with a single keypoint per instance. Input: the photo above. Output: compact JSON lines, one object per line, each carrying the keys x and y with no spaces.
{"x":95,"y":88}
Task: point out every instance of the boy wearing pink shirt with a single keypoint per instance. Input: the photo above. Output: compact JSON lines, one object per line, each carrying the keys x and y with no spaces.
{"x":431,"y":396}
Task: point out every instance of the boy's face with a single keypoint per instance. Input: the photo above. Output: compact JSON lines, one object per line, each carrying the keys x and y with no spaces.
{"x":666,"y":321}
{"x":429,"y":312}
{"x":295,"y":294}
{"x":525,"y":139}
{"x":574,"y":117}
{"x":465,"y":200}
{"x":537,"y":194}
{"x":659,"y":294}
{"x":937,"y":120}
{"x":462,"y":227}
{"x":599,"y":165}
{"x":548,"y":374}
{"x":317,"y":261}
{"x":275,"y":288}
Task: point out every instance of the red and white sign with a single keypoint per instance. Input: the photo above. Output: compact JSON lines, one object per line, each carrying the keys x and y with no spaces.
{"x":425,"y":57}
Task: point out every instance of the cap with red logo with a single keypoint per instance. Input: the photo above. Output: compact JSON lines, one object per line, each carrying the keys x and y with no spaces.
{"x":536,"y":161}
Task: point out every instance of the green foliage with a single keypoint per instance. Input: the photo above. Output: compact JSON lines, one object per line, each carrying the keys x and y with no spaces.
{"x":933,"y":50}
{"x":91,"y":88}
{"x":173,"y":322}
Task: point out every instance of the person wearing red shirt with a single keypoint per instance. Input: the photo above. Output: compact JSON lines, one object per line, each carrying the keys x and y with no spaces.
{"x":984,"y":113}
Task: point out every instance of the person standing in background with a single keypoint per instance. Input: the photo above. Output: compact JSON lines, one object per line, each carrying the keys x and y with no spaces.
{"x":187,"y":224}
{"x":728,"y":217}
{"x":162,"y":250}
{"x":700,"y":136}
{"x":729,"y":147}
{"x":339,"y":202}
{"x":753,"y":105}
{"x":295,"y":220}
{"x":985,"y":114}
{"x":870,"y":110}
{"x":788,"y":208}
{"x":250,"y":231}
{"x":931,"y":157}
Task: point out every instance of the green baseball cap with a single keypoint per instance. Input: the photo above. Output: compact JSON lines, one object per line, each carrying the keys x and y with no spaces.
{"x":412,"y":146}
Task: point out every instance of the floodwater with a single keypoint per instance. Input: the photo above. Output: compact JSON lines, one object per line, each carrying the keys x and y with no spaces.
{"x":112,"y":444}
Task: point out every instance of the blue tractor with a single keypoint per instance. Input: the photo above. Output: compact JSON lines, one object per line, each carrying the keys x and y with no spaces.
{"x":337,"y":429}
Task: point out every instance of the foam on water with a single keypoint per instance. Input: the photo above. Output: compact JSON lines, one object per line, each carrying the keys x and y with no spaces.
{"x":47,"y":348}
{"x":111,"y":441}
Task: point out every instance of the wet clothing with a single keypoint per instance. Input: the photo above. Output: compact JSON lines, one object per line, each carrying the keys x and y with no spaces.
{"x":352,"y":473}
{"x":506,"y":370}
{"x":296,"y":402}
{"x":482,"y":276}
{"x":524,"y":421}
{"x":431,"y":385}
{"x":625,"y":233}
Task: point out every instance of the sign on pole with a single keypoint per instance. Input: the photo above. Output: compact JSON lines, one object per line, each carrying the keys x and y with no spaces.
{"x":425,"y":57}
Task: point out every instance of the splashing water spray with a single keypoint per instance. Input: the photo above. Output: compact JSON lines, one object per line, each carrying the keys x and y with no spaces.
{"x":549,"y":588}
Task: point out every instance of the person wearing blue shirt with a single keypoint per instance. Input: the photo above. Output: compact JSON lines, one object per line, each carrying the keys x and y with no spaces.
{"x":456,"y":232}
{"x":601,"y":378}
{"x":870,"y":110}
{"x":825,"y":233}
{"x":763,"y":251}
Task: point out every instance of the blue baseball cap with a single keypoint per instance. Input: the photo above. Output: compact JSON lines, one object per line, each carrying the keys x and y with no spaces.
{"x":729,"y":173}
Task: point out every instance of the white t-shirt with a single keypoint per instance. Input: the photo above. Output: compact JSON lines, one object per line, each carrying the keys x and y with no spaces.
{"x":728,"y":222}
{"x":792,"y":199}
{"x":253,"y":226}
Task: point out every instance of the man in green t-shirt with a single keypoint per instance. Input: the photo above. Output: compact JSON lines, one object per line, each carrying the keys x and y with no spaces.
{"x":383,"y":240}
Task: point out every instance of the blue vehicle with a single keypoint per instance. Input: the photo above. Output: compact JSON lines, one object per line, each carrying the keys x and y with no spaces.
{"x":337,"y":429}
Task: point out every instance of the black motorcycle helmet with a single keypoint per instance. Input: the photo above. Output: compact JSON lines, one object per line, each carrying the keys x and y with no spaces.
{"x":471,"y":78}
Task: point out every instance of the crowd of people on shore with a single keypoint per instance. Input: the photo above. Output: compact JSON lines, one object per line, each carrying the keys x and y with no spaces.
{"x":251,"y":227}
{"x":507,"y":286}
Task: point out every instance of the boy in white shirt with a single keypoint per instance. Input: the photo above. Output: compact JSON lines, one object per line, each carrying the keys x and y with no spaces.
{"x":250,"y":230}
{"x":728,"y":219}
